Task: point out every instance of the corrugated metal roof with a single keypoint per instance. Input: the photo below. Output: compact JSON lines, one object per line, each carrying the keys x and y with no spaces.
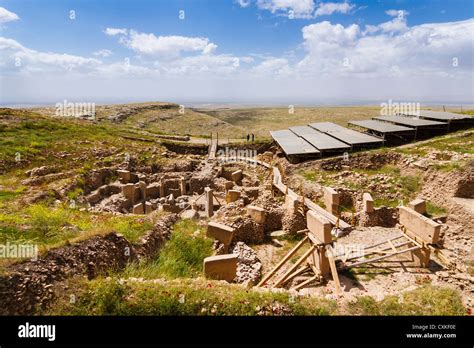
{"x":383,"y":127}
{"x":293,"y":144}
{"x":348,"y":136}
{"x":409,"y":121}
{"x":321,"y":141}
{"x":441,"y":115}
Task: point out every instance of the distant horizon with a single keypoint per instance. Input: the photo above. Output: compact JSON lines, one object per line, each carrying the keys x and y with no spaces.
{"x":245,"y":104}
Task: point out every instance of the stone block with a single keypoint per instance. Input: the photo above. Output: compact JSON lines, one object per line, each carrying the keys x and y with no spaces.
{"x":138,"y":208}
{"x":136,"y":193}
{"x":319,"y":226}
{"x":221,"y":267}
{"x":237,"y":175}
{"x":221,"y":232}
{"x":128,"y":191}
{"x":257,"y":213}
{"x":425,"y":229}
{"x":330,"y":196}
{"x":418,"y":205}
{"x":368,"y":203}
{"x":291,"y":204}
{"x":209,"y":201}
{"x":142,"y":186}
{"x":148,"y":207}
{"x":333,"y":209}
{"x":94,"y":197}
{"x":331,"y":200}
{"x":124,"y":176}
{"x":233,"y":195}
{"x":103,"y":191}
{"x":153,"y":191}
{"x":229,"y":185}
{"x":162,"y":188}
{"x":182,"y":186}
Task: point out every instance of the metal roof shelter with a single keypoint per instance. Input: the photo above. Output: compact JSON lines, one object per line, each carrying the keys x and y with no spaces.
{"x":380,"y":127}
{"x":393,"y":134}
{"x":321,"y":141}
{"x":423,"y":128}
{"x":348,"y":136}
{"x":455,"y":121}
{"x":292,"y":144}
{"x":440,"y":115}
{"x":410,"y":121}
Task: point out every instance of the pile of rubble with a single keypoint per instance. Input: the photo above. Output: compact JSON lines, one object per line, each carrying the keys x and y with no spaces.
{"x":249,"y":267}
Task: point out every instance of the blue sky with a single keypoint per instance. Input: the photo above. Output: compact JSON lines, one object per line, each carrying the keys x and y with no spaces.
{"x":253,"y":51}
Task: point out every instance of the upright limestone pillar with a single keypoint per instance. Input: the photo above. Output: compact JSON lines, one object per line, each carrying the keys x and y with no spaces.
{"x":209,"y":202}
{"x":182,"y":186}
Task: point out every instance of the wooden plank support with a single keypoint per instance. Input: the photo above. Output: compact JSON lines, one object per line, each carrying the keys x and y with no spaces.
{"x":374,"y":245}
{"x":375,"y":251}
{"x":282,"y":262}
{"x":385,"y":241}
{"x":392,"y":246}
{"x":295,"y":266}
{"x":306,"y":282}
{"x":375,"y":259}
{"x":295,"y":273}
{"x":439,"y":253}
{"x":332,"y":264}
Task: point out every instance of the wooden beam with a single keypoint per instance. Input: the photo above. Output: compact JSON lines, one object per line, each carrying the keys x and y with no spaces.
{"x":295,"y":266}
{"x":306,"y":282}
{"x":392,"y":246}
{"x":383,"y":257}
{"x":413,"y":240}
{"x":295,"y":273}
{"x":375,"y":245}
{"x":332,"y":264}
{"x":282,"y":262}
{"x":375,"y":251}
{"x":439,"y":253}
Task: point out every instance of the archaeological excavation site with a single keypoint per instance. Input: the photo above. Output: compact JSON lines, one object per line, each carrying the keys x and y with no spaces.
{"x":132,"y":224}
{"x":236,"y":172}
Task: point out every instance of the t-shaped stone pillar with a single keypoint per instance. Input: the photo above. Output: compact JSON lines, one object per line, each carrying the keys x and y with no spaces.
{"x":331,"y":200}
{"x":209,"y":201}
{"x":368,"y":203}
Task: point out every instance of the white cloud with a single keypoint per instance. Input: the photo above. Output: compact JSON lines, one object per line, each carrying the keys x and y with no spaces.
{"x":328,"y":8}
{"x":305,"y":9}
{"x":419,"y":50}
{"x":243,"y":3}
{"x":397,"y":13}
{"x":272,"y":68}
{"x":103,"y":53}
{"x":166,"y":46}
{"x":396,"y":25}
{"x":300,"y":8}
{"x":7,"y":16}
{"x":115,"y":31}
{"x":16,"y":57}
